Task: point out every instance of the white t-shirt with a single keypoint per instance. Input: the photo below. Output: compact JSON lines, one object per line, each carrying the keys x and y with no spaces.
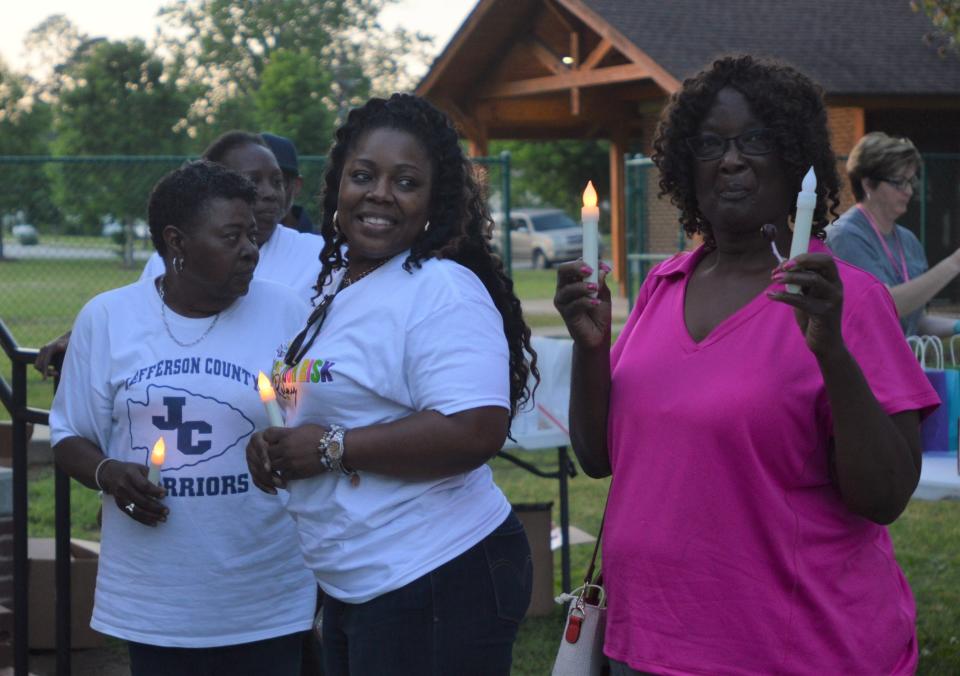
{"x":393,"y":344}
{"x":225,"y":568}
{"x":289,"y":258}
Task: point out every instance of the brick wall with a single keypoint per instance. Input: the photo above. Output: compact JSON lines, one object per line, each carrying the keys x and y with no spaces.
{"x":846,"y":128}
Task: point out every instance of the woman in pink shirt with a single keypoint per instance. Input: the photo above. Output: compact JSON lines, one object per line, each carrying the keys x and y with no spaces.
{"x":758,"y":440}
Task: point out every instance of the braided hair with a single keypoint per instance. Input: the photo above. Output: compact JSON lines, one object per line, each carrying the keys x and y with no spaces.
{"x":785,"y":100}
{"x":460,"y":223}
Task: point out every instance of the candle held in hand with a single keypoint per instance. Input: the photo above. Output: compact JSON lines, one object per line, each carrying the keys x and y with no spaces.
{"x":802,"y":222}
{"x":156,"y":461}
{"x":590,"y":218}
{"x":269,"y":399}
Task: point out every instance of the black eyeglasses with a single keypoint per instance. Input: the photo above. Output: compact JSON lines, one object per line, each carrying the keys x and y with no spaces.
{"x":713,"y":146}
{"x":298,"y":348}
{"x":902,"y":184}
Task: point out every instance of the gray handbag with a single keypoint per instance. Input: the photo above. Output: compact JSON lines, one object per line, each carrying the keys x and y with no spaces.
{"x":581,"y":647}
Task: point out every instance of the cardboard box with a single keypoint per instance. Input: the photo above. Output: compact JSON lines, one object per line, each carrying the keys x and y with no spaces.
{"x":536,"y":521}
{"x":84,"y":556}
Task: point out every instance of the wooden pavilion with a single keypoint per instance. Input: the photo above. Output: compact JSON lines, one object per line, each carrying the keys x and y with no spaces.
{"x":589,"y":69}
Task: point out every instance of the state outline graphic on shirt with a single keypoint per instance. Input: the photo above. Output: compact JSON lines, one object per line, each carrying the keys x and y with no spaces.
{"x":189,"y":424}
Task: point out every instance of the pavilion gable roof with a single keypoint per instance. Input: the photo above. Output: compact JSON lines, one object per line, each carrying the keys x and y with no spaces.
{"x":851,"y":47}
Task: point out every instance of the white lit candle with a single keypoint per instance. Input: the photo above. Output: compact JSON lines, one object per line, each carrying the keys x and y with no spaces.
{"x":590,"y":218}
{"x":269,"y":399}
{"x":156,"y":461}
{"x":802,"y":222}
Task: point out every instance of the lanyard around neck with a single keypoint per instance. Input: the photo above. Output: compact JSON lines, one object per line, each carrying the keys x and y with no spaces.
{"x":903,"y":259}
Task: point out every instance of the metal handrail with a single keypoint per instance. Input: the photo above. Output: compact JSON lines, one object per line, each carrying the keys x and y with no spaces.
{"x":13,"y":396}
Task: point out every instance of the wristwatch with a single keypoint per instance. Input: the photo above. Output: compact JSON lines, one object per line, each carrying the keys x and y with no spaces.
{"x":330,"y":449}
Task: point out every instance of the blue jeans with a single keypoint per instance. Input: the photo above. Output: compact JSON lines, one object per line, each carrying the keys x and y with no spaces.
{"x":461,"y":618}
{"x":278,"y":656}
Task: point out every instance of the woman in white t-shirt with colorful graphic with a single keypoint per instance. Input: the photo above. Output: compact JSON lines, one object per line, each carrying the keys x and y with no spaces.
{"x":201,"y":574}
{"x":399,"y":389}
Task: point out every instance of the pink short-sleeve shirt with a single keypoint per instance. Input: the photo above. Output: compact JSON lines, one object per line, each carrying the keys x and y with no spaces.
{"x":726,"y":547}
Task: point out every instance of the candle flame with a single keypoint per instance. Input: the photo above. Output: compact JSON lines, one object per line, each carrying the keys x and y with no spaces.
{"x":159,"y":452}
{"x":265,"y":388}
{"x":590,"y":195}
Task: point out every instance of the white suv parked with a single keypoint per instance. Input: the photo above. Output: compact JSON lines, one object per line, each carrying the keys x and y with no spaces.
{"x":541,"y":236}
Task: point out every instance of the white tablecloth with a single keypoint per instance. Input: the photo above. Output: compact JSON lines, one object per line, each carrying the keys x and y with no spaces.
{"x":939,"y":478}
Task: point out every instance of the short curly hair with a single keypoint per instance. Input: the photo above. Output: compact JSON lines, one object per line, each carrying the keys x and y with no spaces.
{"x":878,"y":156}
{"x":181,"y":197}
{"x":460,"y":222}
{"x":785,"y":100}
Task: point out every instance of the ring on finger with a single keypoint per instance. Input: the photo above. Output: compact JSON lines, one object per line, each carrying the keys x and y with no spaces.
{"x":129,"y":507}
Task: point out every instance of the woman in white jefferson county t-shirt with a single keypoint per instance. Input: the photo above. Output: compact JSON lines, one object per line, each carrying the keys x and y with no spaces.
{"x":202,"y":569}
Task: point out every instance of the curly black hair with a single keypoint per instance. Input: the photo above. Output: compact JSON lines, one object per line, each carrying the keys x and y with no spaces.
{"x":785,"y":100}
{"x":459,"y":220}
{"x":180,"y":197}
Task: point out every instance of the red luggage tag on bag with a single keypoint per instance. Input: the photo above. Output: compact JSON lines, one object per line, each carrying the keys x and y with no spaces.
{"x":573,"y":626}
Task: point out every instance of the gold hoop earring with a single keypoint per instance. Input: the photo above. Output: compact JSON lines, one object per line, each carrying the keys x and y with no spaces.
{"x":177,"y":264}
{"x":426,"y":226}
{"x":336,"y":220}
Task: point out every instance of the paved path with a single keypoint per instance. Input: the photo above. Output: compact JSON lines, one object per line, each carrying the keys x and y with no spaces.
{"x":67,"y":252}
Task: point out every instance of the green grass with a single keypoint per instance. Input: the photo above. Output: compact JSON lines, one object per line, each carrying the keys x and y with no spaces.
{"x":531,"y":284}
{"x":40,"y":299}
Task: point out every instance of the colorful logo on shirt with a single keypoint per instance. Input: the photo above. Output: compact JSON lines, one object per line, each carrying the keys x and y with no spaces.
{"x":195,"y":427}
{"x":286,"y":380}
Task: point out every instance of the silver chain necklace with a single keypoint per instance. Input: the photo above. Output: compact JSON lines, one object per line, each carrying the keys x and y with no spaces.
{"x":163,"y":314}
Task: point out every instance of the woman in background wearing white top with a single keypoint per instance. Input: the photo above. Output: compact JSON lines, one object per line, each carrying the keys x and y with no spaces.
{"x":400,"y":388}
{"x":287,"y":257}
{"x":202,"y":575}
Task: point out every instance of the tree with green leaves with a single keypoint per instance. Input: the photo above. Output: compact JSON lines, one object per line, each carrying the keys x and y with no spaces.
{"x":233,"y":44}
{"x":24,"y":130}
{"x":945,"y":15}
{"x":290,"y":100}
{"x":554,"y":173}
{"x":116,"y":98}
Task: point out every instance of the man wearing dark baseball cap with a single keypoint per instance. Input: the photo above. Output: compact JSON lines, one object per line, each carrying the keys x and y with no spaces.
{"x":295,"y":216}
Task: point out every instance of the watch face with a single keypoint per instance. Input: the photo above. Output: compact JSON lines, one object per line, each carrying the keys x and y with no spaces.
{"x":334,"y":449}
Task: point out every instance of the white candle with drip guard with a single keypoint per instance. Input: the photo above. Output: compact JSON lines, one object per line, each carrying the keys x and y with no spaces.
{"x":590,"y":218}
{"x":156,"y":461}
{"x":802,"y":222}
{"x":269,"y":399}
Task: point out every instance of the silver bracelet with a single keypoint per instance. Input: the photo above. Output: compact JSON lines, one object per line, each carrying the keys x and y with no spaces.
{"x":96,"y":473}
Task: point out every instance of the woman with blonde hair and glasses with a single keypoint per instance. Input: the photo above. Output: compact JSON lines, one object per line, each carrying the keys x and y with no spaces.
{"x":883,"y":172}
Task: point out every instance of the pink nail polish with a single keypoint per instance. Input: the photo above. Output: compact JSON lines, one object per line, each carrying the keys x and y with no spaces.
{"x":592,"y":287}
{"x":586,"y":269}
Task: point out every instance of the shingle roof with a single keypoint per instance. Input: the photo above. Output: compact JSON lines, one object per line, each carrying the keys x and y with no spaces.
{"x":857,"y":47}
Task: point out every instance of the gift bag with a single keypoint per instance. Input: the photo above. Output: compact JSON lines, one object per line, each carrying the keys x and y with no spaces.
{"x":939,"y":430}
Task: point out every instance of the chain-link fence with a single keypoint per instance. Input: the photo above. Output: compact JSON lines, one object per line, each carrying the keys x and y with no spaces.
{"x":73,"y":227}
{"x":653,"y":232}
